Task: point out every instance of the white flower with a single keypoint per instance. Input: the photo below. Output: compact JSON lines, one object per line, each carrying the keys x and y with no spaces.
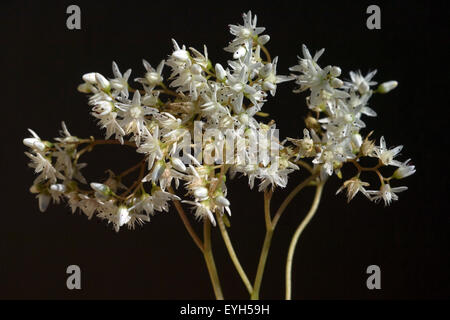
{"x":120,"y":83}
{"x":152,"y":77}
{"x":202,"y":210}
{"x":273,"y":176}
{"x":271,"y":79}
{"x":111,"y":125}
{"x":161,"y":199}
{"x":404,"y":170}
{"x":386,"y":193}
{"x":353,"y":186}
{"x":88,"y":205}
{"x":133,"y":116}
{"x":248,"y":31}
{"x":360,"y":83}
{"x":117,"y":215}
{"x":151,"y":147}
{"x":386,"y":155}
{"x":43,"y":165}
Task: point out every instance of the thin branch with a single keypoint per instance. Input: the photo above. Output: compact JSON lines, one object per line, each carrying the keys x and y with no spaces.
{"x":209,"y":259}
{"x":291,"y":196}
{"x":232,"y":253}
{"x":186,"y":222}
{"x":296,"y":236}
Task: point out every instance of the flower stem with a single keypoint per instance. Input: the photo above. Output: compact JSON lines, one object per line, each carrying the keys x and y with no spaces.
{"x":265,"y":249}
{"x":291,"y":196}
{"x":296,"y":236}
{"x":233,"y":256}
{"x":186,"y":222}
{"x":209,"y":259}
{"x":262,"y":264}
{"x":131,"y":169}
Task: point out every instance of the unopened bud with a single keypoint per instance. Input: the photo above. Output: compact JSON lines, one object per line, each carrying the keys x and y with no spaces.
{"x":220,"y":72}
{"x":178,"y":164}
{"x":58,"y":187}
{"x":44,"y":200}
{"x":335,"y":71}
{"x":263,"y":39}
{"x":336,"y":83}
{"x":101,"y":81}
{"x":101,"y":188}
{"x":385,"y":87}
{"x":222,"y":201}
{"x":34,"y":143}
{"x":201,"y":193}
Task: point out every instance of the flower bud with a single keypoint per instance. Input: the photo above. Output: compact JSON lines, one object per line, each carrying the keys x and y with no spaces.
{"x":201,"y":193}
{"x":157,"y":171}
{"x":44,"y":200}
{"x":404,"y":171}
{"x":85,"y":88}
{"x":221,"y":200}
{"x":178,"y":164}
{"x":311,"y":122}
{"x":335,"y":71}
{"x":357,"y":140}
{"x":336,"y":83}
{"x":220,"y":72}
{"x":101,"y":188}
{"x":58,"y":187}
{"x":89,"y":77}
{"x":34,"y":143}
{"x":267,"y":85}
{"x":101,"y":81}
{"x":263,"y":39}
{"x":385,"y":87}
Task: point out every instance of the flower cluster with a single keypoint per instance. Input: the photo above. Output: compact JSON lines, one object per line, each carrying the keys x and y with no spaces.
{"x":163,"y":118}
{"x":333,"y":138}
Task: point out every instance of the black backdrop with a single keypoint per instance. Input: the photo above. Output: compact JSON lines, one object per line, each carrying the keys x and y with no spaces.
{"x":42,"y":63}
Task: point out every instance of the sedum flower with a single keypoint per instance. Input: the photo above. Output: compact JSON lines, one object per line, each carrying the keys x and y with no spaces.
{"x":404,"y":170}
{"x":153,"y":77}
{"x":120,"y":82}
{"x":386,"y":193}
{"x":386,"y":155}
{"x":361,"y":83}
{"x":353,"y":186}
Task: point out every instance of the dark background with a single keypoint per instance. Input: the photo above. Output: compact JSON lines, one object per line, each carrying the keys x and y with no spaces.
{"x":42,"y":63}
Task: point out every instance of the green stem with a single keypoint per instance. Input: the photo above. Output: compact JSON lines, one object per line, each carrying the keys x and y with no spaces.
{"x":233,"y":256}
{"x":265,"y":249}
{"x":209,"y":259}
{"x":291,"y":196}
{"x":296,"y":236}
{"x":262,"y":264}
